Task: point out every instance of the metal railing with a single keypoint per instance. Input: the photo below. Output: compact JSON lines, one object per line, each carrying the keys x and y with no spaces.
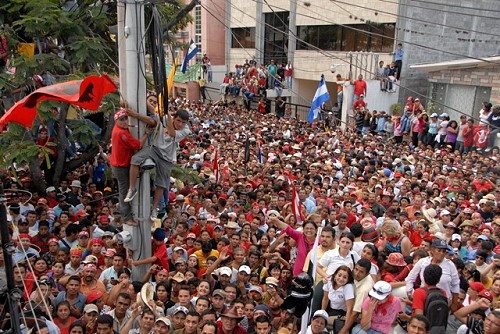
{"x":299,"y":111}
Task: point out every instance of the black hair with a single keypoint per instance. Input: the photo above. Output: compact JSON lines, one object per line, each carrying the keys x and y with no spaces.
{"x":105,"y":319}
{"x":422,"y":318}
{"x":356,"y":229}
{"x":432,"y":274}
{"x":365,"y":263}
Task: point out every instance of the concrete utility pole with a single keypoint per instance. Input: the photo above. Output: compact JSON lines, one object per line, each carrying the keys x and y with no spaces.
{"x":131,"y":46}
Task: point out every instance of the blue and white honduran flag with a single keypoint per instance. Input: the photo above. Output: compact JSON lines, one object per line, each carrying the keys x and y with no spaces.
{"x":193,"y":50}
{"x":320,"y":97}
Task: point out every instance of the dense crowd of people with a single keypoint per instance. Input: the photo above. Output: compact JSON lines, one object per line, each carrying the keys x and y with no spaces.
{"x":389,"y":231}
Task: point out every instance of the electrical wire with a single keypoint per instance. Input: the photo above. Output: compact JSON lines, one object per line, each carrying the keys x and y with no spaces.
{"x":345,"y":61}
{"x":428,"y":48}
{"x":417,"y":20}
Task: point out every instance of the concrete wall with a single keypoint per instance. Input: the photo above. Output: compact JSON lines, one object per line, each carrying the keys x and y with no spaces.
{"x":460,"y":40}
{"x":325,"y":12}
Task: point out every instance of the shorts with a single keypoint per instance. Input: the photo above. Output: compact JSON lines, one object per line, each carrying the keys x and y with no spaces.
{"x":163,"y":167}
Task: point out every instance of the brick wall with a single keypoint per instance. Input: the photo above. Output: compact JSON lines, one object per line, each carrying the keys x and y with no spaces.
{"x":485,"y":76}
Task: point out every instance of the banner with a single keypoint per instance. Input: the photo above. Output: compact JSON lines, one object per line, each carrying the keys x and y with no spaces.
{"x":86,"y":93}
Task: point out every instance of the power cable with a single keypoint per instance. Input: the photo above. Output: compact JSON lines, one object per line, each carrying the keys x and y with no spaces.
{"x":343,"y":60}
{"x":459,"y":29}
{"x":387,"y":37}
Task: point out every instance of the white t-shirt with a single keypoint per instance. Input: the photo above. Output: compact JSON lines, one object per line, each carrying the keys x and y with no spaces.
{"x":339,"y":296}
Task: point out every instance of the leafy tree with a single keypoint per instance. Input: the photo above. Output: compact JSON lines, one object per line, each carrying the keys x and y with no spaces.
{"x":70,"y":42}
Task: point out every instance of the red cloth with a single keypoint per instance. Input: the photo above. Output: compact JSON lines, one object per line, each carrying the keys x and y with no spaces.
{"x":359,"y":87}
{"x":358,"y":104}
{"x":124,"y":145}
{"x":160,"y":252}
{"x":86,"y":93}
{"x":419,"y":299}
{"x":416,"y":238}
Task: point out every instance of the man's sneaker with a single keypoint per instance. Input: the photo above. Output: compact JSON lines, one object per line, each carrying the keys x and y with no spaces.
{"x":154,"y":214}
{"x":130,"y":195}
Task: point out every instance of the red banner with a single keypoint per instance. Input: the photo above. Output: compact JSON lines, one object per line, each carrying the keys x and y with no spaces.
{"x":86,"y":93}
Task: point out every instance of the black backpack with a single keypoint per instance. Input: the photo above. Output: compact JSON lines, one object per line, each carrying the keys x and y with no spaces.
{"x":436,"y":310}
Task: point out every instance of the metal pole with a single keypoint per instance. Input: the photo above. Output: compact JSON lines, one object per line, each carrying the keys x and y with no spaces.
{"x":134,"y":91}
{"x":8,"y":248}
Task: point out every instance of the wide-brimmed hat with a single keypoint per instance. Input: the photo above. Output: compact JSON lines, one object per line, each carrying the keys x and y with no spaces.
{"x":430,"y":214}
{"x":381,"y":290}
{"x":232,"y":224}
{"x":230,"y":312}
{"x":396,"y":259}
{"x":146,"y":295}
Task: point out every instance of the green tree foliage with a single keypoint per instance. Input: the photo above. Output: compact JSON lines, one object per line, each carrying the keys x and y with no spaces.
{"x":72,"y":42}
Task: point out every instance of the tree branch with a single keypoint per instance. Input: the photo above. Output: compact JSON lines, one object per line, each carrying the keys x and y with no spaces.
{"x":62,"y":144}
{"x":180,"y":15}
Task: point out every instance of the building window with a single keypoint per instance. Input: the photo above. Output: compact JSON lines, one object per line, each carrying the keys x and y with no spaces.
{"x":243,"y":38}
{"x":197,"y":31}
{"x":344,"y":38}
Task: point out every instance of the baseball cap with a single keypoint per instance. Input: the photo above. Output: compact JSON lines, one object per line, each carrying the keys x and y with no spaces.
{"x":486,"y":294}
{"x":50,"y":189}
{"x":482,"y":237}
{"x":322,"y":314}
{"x":94,"y":295}
{"x":180,"y":309}
{"x":225,"y":271}
{"x":380,"y":290}
{"x":439,"y":243}
{"x":90,"y":308}
{"x":245,"y":269}
{"x":165,"y":320}
{"x":219,"y":292}
{"x":456,"y":237}
{"x":191,"y":236}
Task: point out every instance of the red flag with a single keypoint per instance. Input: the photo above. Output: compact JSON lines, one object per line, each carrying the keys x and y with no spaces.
{"x":216,"y":166}
{"x":86,"y":93}
{"x":299,"y":217}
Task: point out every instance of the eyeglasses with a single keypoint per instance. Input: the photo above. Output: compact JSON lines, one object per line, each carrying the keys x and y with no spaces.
{"x":123,"y":118}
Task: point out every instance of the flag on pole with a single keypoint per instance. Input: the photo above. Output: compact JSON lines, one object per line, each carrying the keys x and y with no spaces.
{"x":259,"y":154}
{"x":320,"y":97}
{"x":193,"y":49}
{"x":86,"y":93}
{"x":216,"y":166}
{"x":171,"y":75}
{"x":299,"y":217}
{"x":312,"y":272}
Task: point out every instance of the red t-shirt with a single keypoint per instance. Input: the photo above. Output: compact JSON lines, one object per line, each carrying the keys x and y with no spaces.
{"x":124,"y":146}
{"x":358,"y":104}
{"x":359,"y":87}
{"x":160,"y":252}
{"x":419,"y":299}
{"x":416,"y":238}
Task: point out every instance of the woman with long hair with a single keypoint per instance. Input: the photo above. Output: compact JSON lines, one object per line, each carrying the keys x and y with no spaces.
{"x":338,"y":295}
{"x":451,"y":134}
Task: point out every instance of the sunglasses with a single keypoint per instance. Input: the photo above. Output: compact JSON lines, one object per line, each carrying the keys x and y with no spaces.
{"x":123,"y":118}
